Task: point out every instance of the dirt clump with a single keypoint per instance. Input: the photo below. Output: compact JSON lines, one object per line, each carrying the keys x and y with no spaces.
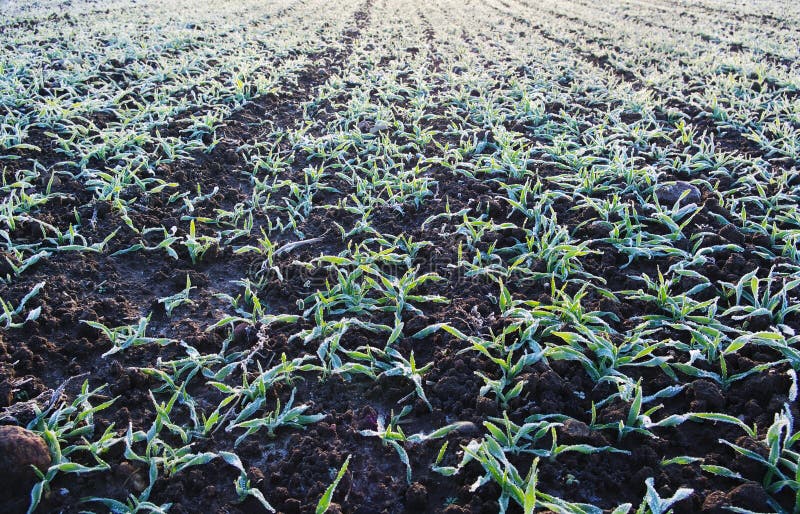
{"x":20,"y":451}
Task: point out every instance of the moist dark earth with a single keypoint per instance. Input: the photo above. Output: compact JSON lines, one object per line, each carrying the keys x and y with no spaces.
{"x":293,"y":468}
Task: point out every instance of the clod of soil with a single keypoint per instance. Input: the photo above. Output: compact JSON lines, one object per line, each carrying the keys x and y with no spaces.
{"x":6,"y":395}
{"x":731,"y":233}
{"x":750,"y":495}
{"x":20,"y":449}
{"x":671,"y":193}
{"x":707,"y":396}
{"x":416,"y":497}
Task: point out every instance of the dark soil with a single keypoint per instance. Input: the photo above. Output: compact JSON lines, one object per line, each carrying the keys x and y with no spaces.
{"x":294,"y":468}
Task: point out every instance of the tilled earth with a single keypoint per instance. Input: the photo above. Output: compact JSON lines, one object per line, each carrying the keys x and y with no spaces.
{"x":386,"y":58}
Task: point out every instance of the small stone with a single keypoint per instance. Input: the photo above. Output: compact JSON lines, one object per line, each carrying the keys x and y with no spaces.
{"x":379,"y":126}
{"x":416,"y":497}
{"x":467,"y":428}
{"x":334,"y":508}
{"x":20,"y":449}
{"x":456,"y":509}
{"x":573,"y":430}
{"x":670,"y":193}
{"x":131,"y":475}
{"x":715,"y":503}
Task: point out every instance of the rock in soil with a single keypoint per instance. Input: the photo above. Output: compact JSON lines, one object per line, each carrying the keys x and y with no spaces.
{"x":671,"y":193}
{"x":379,"y":126}
{"x":19,"y":450}
{"x":715,"y":502}
{"x":574,"y":431}
{"x":334,"y":508}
